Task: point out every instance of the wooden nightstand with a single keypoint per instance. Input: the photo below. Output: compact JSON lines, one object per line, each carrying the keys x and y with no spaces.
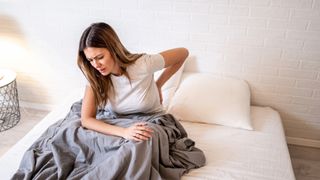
{"x":9,"y":103}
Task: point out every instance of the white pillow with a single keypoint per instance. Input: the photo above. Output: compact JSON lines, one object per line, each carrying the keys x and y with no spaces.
{"x":208,"y":99}
{"x":169,"y":88}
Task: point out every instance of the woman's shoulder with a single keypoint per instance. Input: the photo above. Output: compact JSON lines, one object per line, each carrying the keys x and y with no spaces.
{"x":150,"y":60}
{"x":147,"y":64}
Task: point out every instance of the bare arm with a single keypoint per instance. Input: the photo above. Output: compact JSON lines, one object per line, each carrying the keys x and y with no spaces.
{"x":138,"y":131}
{"x":88,"y":116}
{"x":174,"y":58}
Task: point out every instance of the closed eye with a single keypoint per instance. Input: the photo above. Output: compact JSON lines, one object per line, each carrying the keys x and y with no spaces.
{"x":99,"y":57}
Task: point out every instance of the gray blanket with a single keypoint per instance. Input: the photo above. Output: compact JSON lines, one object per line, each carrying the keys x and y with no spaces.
{"x":69,"y":151}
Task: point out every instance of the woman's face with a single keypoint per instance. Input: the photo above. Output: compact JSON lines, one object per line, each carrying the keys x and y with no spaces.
{"x":101,"y":59}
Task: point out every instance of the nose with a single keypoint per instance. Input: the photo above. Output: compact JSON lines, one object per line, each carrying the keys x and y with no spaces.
{"x":96,"y":63}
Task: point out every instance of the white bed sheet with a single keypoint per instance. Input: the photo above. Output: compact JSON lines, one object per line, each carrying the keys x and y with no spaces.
{"x":231,"y":153}
{"x":239,"y":154}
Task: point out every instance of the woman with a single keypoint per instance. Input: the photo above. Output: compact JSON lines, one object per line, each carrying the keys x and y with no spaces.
{"x":123,"y":149}
{"x":123,"y":79}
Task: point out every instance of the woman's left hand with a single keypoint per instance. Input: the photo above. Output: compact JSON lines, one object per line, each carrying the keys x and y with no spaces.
{"x":138,"y":132}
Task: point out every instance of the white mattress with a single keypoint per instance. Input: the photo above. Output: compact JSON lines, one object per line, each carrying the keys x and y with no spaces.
{"x":231,"y":153}
{"x":240,"y":154}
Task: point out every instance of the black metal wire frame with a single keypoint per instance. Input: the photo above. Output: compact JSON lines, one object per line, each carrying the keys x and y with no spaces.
{"x":9,"y":106}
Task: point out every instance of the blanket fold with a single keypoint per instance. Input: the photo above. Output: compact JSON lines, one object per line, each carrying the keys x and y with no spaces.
{"x":68,"y":151}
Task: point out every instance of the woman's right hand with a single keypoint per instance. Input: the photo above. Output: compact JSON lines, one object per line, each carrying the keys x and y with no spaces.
{"x":138,"y":132}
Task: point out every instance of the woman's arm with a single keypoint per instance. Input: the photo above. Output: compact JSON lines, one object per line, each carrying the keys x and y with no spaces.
{"x":88,"y":116}
{"x":173,"y":58}
{"x":138,"y":131}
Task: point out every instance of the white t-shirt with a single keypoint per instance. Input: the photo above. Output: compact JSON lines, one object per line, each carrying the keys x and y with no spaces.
{"x":142,"y":94}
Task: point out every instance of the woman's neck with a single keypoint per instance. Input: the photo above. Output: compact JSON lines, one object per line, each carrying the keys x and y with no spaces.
{"x":117,"y":70}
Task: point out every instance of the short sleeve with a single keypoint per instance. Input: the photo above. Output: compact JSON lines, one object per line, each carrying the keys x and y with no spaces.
{"x":154,"y":62}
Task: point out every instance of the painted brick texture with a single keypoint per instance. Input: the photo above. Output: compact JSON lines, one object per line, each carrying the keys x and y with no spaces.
{"x":273,"y":44}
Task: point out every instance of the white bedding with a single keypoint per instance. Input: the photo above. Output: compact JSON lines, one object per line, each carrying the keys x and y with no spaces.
{"x":231,"y":153}
{"x":240,"y":154}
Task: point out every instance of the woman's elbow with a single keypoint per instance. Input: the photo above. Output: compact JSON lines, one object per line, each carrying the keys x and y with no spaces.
{"x":182,"y":55}
{"x":185,"y":53}
{"x":84,"y":122}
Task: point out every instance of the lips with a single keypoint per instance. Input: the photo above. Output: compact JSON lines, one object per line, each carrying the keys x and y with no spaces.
{"x":101,"y":70}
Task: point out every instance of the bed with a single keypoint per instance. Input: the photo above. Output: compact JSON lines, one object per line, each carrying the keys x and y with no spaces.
{"x":240,"y":141}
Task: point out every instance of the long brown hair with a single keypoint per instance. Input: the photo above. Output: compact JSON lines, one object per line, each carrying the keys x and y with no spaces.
{"x":101,"y":35}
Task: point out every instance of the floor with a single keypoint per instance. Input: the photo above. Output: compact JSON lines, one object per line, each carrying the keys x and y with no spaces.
{"x":29,"y":118}
{"x":305,"y":160}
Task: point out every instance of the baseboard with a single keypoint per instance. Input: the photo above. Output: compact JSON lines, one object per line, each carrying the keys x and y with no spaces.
{"x":303,"y":142}
{"x":46,"y":107}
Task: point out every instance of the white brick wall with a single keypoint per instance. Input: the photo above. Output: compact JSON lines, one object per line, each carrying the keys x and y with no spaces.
{"x":273,"y":44}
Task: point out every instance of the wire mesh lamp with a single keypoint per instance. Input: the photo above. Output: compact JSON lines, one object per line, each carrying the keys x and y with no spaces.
{"x":10,"y":39}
